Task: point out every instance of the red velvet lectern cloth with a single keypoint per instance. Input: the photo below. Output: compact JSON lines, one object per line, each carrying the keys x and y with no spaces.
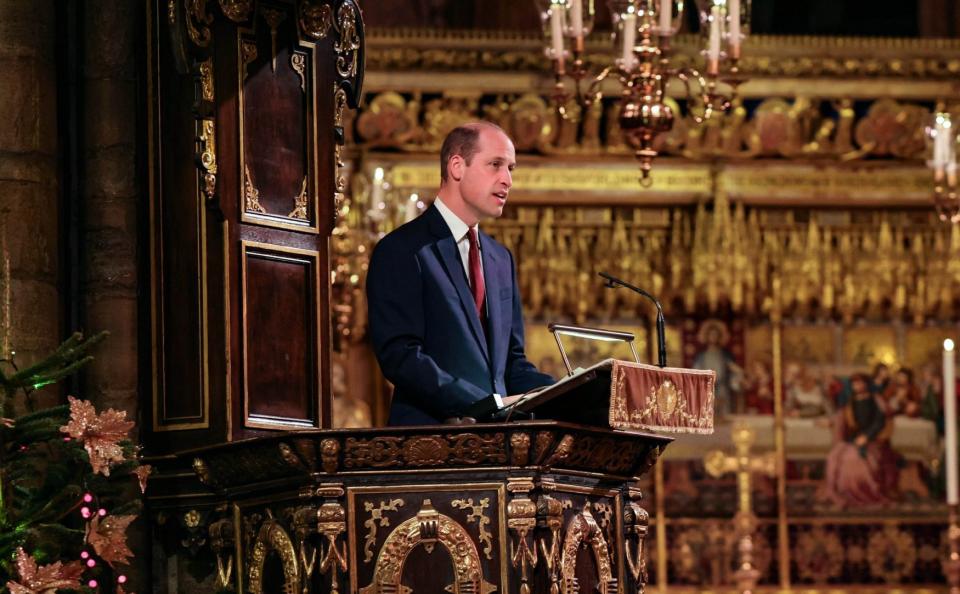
{"x":648,"y":397}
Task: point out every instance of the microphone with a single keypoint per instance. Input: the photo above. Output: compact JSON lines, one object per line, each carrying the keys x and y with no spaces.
{"x":612,"y":282}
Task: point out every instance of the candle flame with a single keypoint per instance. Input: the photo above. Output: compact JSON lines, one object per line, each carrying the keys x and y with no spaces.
{"x":948,"y":345}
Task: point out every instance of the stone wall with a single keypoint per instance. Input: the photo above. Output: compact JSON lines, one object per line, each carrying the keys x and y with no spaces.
{"x":29,"y":293}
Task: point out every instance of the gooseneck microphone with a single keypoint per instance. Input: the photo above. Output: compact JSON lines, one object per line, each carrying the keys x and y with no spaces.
{"x":613,"y":282}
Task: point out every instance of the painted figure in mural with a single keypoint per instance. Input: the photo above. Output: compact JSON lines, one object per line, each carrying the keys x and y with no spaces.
{"x":901,"y":396}
{"x":880,"y":378}
{"x":758,"y":389}
{"x":714,"y":336}
{"x":931,"y":404}
{"x":805,"y":396}
{"x":861,"y":466}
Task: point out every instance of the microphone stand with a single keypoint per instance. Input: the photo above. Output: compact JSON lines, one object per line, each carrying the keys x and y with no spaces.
{"x":613,"y":282}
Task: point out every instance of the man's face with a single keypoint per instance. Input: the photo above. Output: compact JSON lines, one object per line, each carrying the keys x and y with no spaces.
{"x":486,"y":181}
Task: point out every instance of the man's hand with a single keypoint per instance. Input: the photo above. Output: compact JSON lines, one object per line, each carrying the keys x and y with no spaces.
{"x":508,"y":400}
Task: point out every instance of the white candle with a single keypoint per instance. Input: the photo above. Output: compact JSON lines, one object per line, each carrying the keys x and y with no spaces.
{"x":556,"y":32}
{"x":629,"y":39}
{"x":950,"y":420}
{"x":713,"y":51}
{"x":411,"y":211}
{"x":666,"y":17}
{"x":940,"y":143}
{"x":576,"y":18}
{"x":734,"y":23}
{"x":376,"y":193}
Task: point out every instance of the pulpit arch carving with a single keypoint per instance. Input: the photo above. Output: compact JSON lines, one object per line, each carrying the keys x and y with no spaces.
{"x":428,"y":528}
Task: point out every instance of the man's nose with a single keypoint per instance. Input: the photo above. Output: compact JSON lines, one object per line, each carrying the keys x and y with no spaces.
{"x":507,"y":178}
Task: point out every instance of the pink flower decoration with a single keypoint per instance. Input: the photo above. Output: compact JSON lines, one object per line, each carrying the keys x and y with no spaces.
{"x":100,"y":434}
{"x":46,"y":579}
{"x":108,"y":537}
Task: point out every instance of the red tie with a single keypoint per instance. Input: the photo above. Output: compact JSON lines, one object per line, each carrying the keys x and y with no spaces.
{"x":476,"y":273}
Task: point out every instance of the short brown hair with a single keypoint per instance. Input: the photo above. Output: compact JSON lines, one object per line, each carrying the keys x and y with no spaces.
{"x":464,"y":141}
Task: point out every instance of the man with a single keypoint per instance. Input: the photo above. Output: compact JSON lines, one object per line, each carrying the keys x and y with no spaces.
{"x":444,"y":308}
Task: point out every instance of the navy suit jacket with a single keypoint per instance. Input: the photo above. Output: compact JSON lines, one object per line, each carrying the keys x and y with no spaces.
{"x":425,"y":329}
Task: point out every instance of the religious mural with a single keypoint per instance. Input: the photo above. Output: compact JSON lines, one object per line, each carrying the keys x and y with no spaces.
{"x":862,"y":414}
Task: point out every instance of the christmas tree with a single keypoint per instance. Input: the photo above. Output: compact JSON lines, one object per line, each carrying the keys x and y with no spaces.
{"x":64,"y":510}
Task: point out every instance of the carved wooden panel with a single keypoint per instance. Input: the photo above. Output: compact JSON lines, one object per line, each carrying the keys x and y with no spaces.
{"x":428,"y":538}
{"x":245,"y":123}
{"x":281,"y":371}
{"x":179,"y":240}
{"x":277,"y":124}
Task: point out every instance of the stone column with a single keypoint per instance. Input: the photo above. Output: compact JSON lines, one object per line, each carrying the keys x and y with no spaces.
{"x":108,"y":165}
{"x":29,"y":294}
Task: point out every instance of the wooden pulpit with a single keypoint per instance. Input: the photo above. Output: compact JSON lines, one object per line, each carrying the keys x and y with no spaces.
{"x":522,"y":507}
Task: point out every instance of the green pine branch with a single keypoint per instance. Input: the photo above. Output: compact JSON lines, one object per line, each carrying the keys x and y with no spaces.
{"x":70,"y":356}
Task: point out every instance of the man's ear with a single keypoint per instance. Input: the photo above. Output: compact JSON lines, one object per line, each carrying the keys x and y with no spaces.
{"x":455,"y":167}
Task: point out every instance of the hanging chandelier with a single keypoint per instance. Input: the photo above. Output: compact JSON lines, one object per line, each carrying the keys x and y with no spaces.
{"x":942,"y":136}
{"x":642,"y":32}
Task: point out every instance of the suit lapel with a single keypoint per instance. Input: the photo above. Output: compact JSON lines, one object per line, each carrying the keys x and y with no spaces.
{"x":450,"y":256}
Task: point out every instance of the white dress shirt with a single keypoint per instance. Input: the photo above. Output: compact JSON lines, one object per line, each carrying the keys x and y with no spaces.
{"x":459,"y":229}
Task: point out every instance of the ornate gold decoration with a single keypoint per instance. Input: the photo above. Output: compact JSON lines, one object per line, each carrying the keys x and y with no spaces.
{"x":891,"y":554}
{"x":304,"y":523}
{"x":561,"y":452}
{"x":206,"y":79}
{"x":272,"y":537}
{"x":202,"y":471}
{"x":804,"y":127}
{"x":894,"y":129}
{"x":197,"y":19}
{"x":289,"y":456}
{"x":172,"y":12}
{"x":222,"y":543}
{"x":425,"y":450}
{"x":636,"y":520}
{"x":248,"y":53}
{"x":340,"y":180}
{"x":251,"y":195}
{"x":390,"y":120}
{"x":666,"y":402}
{"x":347,"y":44}
{"x":208,"y":156}
{"x":329,"y":455}
{"x":603,"y":511}
{"x":476,"y":515}
{"x":551,"y":510}
{"x":376,"y":515}
{"x":300,"y":203}
{"x":428,"y":528}
{"x":543,"y":442}
{"x":522,"y":519}
{"x":298,"y":61}
{"x":769,"y":56}
{"x":236,"y":10}
{"x":583,"y":528}
{"x":819,"y":555}
{"x":331,"y":523}
{"x":315,"y":19}
{"x":191,"y":519}
{"x":519,"y":449}
{"x":273,"y":18}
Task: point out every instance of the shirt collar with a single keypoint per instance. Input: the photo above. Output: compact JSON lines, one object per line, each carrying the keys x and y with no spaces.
{"x":457,"y":227}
